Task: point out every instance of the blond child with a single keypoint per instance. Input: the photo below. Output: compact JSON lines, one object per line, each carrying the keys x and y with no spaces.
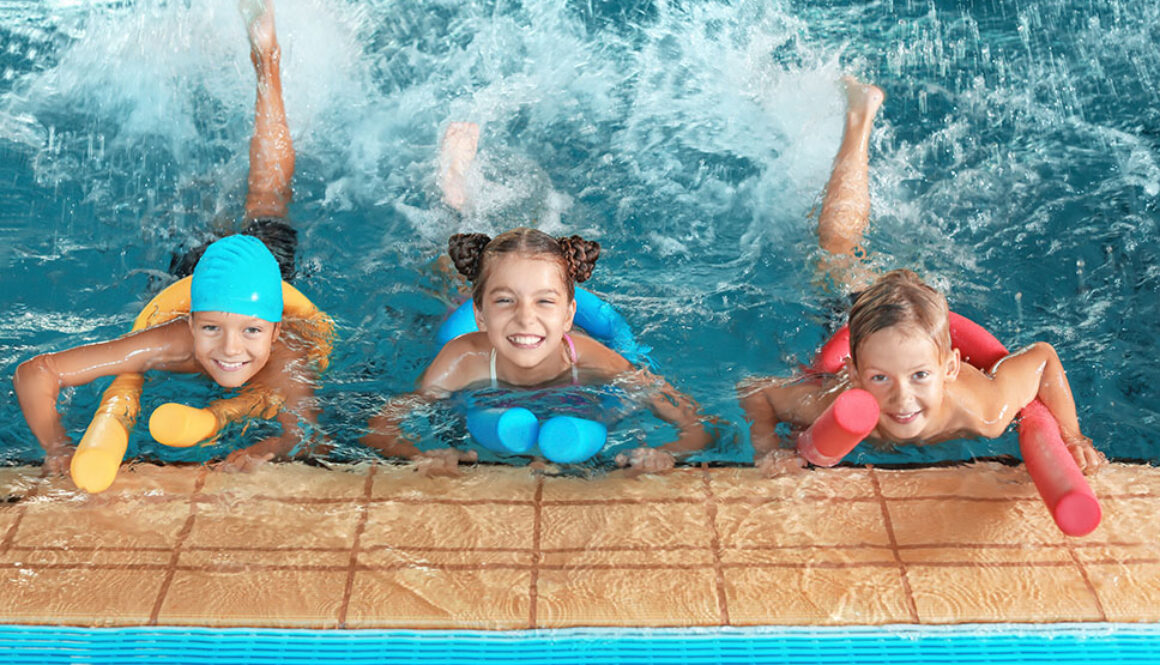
{"x":900,"y":345}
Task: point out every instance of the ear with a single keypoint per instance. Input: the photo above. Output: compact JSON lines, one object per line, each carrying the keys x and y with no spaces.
{"x":953,"y":365}
{"x":852,"y":372}
{"x":571,"y":315}
{"x":277,"y":332}
{"x":480,"y":322}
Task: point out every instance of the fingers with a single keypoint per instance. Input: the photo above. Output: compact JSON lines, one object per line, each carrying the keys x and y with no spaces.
{"x":780,"y":463}
{"x":57,"y":464}
{"x":443,"y":462}
{"x":646,"y":460}
{"x":1087,"y":457}
{"x":241,"y":461}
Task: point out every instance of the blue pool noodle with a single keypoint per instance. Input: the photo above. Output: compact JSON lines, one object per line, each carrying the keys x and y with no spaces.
{"x":563,"y":439}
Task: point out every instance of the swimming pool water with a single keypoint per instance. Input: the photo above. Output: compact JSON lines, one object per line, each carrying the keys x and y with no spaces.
{"x":1014,"y":164}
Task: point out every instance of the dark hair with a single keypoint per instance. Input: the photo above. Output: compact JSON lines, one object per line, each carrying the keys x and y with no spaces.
{"x":474,"y":253}
{"x":900,"y":297}
{"x":279,"y":237}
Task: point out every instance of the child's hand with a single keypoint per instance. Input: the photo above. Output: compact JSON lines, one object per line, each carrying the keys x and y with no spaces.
{"x":646,"y":460}
{"x":442,"y":461}
{"x":1086,"y":456}
{"x":780,"y":462}
{"x":58,"y":460}
{"x":246,"y":460}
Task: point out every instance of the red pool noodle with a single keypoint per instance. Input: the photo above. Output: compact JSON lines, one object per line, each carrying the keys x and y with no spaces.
{"x":1061,"y":484}
{"x":842,"y":426}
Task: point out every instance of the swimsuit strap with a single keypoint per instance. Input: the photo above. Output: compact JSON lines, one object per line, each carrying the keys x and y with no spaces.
{"x":494,"y":380}
{"x":572,"y":352}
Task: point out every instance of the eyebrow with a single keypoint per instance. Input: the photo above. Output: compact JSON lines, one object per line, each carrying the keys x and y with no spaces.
{"x":504,"y":289}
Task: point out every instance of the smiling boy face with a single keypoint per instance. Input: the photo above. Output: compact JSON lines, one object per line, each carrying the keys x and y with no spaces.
{"x":232,"y":348}
{"x":905,"y":371}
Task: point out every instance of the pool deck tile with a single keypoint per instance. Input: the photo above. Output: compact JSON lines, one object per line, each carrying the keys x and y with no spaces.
{"x":497,"y":548}
{"x":494,"y":598}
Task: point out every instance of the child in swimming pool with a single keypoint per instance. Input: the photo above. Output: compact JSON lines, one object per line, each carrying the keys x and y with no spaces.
{"x":523,"y":293}
{"x":900,"y":346}
{"x":233,"y":333}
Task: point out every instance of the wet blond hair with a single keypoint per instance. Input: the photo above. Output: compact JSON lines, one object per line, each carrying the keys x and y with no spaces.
{"x":900,"y":298}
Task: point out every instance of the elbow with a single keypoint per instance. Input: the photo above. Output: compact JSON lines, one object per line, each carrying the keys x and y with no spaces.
{"x":28,"y":371}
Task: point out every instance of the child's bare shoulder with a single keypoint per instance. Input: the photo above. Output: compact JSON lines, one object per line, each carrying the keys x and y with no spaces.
{"x":592,"y":354}
{"x":981,"y":407}
{"x":460,"y":363}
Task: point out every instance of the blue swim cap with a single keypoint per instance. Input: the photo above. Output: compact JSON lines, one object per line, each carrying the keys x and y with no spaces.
{"x":239,"y":275}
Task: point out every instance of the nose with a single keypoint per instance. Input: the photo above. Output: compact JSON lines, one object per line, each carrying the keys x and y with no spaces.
{"x":523,"y":312}
{"x":901,"y":394}
{"x":232,"y":343}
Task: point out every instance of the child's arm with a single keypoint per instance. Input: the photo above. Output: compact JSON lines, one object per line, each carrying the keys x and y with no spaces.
{"x":38,"y":381}
{"x":287,"y":395}
{"x":1036,"y":372}
{"x":666,"y":402}
{"x":451,"y":370}
{"x":674,"y":407}
{"x":769,"y":402}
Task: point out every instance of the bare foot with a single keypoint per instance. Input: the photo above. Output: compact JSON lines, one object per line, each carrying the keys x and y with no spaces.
{"x":259,"y":18}
{"x":456,"y":153}
{"x":862,"y":103}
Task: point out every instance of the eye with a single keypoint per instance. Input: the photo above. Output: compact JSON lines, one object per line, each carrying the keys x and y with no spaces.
{"x":503,"y":300}
{"x":921,"y":375}
{"x":547,"y":301}
{"x":253,"y":330}
{"x":878,"y":378}
{"x":209,"y":328}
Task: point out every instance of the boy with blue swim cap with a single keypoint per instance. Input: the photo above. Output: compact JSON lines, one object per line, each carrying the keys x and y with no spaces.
{"x":239,"y":275}
{"x":226,"y":322}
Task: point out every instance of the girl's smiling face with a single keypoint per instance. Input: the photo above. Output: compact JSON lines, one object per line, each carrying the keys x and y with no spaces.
{"x":904,"y":370}
{"x":525,"y":312}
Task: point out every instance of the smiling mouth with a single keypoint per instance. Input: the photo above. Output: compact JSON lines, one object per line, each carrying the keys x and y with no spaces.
{"x":904,"y":418}
{"x":230,"y":367}
{"x":525,"y":341}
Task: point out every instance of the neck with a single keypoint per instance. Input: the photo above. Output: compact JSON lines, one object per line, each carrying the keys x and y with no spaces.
{"x":550,"y":369}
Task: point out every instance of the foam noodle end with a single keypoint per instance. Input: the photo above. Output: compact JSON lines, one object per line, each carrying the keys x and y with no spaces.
{"x":569,"y":440}
{"x":181,"y":426}
{"x":94,"y":470}
{"x":517,"y":429}
{"x":1077,"y":513}
{"x":856,"y":411}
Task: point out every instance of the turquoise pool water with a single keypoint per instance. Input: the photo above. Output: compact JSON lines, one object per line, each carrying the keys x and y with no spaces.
{"x":1014,"y":164}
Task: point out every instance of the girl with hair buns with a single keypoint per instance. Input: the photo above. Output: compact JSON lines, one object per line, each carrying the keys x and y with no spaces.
{"x":523,"y":293}
{"x":900,"y":342}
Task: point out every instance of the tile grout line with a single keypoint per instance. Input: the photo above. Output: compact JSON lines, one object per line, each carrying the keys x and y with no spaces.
{"x":911,"y":604}
{"x":715,"y":545}
{"x":1083,"y":573}
{"x":10,"y":536}
{"x":182,"y":534}
{"x":352,"y":566}
{"x":537,"y":556}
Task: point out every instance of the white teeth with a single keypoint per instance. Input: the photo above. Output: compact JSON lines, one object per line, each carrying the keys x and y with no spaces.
{"x":525,"y":339}
{"x":230,"y":366}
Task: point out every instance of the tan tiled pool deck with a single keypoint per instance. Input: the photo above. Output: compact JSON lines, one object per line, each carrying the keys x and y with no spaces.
{"x":379,"y":546}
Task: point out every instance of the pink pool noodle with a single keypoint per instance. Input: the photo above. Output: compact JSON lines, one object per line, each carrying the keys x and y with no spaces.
{"x":842,"y":426}
{"x":1060,"y":482}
